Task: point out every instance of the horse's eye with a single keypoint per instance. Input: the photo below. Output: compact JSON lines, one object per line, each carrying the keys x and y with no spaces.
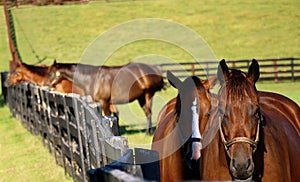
{"x":257,"y":114}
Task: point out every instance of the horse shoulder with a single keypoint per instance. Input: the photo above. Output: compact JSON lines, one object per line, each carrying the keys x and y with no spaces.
{"x":282,"y":147}
{"x":100,"y":88}
{"x":162,"y":133}
{"x":214,"y":164}
{"x":166,"y":142}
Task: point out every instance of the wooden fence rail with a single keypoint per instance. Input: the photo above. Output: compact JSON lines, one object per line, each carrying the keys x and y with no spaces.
{"x":270,"y":69}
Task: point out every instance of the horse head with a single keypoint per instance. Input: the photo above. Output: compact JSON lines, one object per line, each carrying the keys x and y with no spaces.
{"x":240,"y":117}
{"x":15,"y":77}
{"x":57,"y":72}
{"x":54,"y":75}
{"x":193,"y":105}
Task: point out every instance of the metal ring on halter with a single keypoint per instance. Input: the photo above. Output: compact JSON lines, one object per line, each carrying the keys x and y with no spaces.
{"x":228,"y":144}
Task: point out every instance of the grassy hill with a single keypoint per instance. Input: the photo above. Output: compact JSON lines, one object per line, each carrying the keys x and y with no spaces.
{"x":233,"y":29}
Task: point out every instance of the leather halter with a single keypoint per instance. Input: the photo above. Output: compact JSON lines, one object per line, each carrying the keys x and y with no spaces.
{"x":55,"y":80}
{"x":228,"y":144}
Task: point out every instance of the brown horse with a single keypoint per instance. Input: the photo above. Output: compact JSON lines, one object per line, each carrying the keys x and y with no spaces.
{"x":37,"y":75}
{"x":113,"y":85}
{"x":255,"y":141}
{"x":180,"y":125}
{"x":283,"y":105}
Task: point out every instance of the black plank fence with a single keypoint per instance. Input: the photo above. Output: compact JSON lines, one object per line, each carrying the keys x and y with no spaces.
{"x":83,"y":141}
{"x":276,"y":69}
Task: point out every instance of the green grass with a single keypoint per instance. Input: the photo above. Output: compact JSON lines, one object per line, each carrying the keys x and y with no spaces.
{"x":233,"y":29}
{"x":23,"y":156}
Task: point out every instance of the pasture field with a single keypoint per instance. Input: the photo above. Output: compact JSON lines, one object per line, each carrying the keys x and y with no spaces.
{"x":233,"y":29}
{"x":23,"y":156}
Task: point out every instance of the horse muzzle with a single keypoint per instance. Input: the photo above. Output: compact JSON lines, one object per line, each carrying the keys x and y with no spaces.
{"x":242,"y":170}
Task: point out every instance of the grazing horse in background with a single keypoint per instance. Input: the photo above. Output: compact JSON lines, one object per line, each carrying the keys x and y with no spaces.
{"x":113,"y":85}
{"x":180,"y":125}
{"x":38,"y":74}
{"x":255,"y":141}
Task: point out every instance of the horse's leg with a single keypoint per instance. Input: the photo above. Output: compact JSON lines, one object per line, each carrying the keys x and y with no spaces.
{"x":114,"y":110}
{"x":105,"y":108}
{"x":145,"y":102}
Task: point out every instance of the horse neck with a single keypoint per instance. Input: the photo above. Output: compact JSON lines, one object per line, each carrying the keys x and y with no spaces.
{"x":85,"y":79}
{"x":32,"y":76}
{"x":68,"y":75}
{"x":213,"y":161}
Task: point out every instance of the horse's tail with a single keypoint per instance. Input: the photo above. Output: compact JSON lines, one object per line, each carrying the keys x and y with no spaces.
{"x":162,"y":84}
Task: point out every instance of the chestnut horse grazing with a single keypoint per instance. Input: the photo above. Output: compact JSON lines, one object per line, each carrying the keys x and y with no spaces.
{"x":37,"y":75}
{"x":113,"y":85}
{"x":180,"y":125}
{"x":255,"y":141}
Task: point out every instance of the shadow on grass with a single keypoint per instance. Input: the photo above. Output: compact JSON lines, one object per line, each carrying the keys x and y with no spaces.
{"x":129,"y":129}
{"x":2,"y":101}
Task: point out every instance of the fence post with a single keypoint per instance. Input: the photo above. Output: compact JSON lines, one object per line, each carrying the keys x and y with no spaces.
{"x":207,"y":70}
{"x":275,"y":71}
{"x":233,"y":65}
{"x":193,"y":69}
{"x":292,"y":69}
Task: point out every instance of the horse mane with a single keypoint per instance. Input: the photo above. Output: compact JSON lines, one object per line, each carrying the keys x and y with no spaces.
{"x":84,"y":68}
{"x":40,"y":70}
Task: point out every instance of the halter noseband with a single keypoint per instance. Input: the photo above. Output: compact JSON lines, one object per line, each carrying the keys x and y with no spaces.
{"x":228,"y":144}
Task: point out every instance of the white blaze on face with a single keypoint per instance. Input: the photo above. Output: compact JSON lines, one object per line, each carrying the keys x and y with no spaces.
{"x":196,"y":146}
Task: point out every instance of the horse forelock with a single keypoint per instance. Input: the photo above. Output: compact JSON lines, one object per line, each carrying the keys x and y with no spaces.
{"x":238,"y":88}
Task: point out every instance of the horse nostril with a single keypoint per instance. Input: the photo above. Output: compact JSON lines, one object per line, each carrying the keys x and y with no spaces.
{"x":241,"y":165}
{"x":248,"y":163}
{"x":233,"y":165}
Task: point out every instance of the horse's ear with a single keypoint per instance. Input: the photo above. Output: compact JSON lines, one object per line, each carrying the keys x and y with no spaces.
{"x":173,"y":80}
{"x":210,"y":82}
{"x":54,"y":62}
{"x":253,"y":71}
{"x":223,"y":71}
